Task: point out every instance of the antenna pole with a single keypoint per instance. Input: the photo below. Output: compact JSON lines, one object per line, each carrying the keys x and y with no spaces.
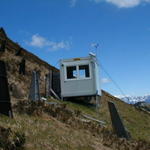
{"x":96,"y":47}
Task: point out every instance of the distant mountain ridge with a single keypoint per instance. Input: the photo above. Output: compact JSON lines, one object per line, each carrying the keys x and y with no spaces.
{"x":136,"y":99}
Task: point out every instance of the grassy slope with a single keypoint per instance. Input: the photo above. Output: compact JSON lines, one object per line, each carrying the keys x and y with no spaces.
{"x":46,"y":132}
{"x":136,"y":121}
{"x":51,"y":134}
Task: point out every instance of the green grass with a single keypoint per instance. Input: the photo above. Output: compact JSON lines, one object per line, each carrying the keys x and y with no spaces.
{"x":52,"y":133}
{"x":137,"y":122}
{"x":48,"y":133}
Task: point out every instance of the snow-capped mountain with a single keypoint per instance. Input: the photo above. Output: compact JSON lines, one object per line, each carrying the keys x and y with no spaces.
{"x":135,"y":99}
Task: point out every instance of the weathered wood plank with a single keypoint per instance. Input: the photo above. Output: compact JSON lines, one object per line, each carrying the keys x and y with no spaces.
{"x":93,"y":119}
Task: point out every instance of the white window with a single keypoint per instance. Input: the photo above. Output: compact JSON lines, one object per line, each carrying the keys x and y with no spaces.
{"x":71,"y":72}
{"x":84,"y":71}
{"x":78,"y":72}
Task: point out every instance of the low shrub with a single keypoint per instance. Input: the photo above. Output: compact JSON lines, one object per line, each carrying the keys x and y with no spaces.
{"x":10,"y":140}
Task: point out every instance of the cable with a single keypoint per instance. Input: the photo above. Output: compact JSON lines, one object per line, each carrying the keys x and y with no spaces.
{"x":96,"y":45}
{"x":56,"y":63}
{"x":115,"y":83}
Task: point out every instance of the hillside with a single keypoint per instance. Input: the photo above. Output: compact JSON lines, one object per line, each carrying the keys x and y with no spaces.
{"x":136,"y":120}
{"x":62,"y":125}
{"x":50,"y":134}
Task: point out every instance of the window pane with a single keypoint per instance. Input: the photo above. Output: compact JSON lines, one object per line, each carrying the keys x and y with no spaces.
{"x":84,"y":71}
{"x":71,"y":72}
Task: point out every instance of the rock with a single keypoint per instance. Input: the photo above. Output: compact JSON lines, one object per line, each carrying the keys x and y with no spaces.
{"x":17,"y":91}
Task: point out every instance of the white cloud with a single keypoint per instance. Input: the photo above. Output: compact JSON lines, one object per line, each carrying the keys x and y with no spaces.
{"x":123,"y":3}
{"x":105,"y":80}
{"x":41,"y":42}
{"x":73,"y":3}
{"x":38,"y":41}
{"x":59,"y":45}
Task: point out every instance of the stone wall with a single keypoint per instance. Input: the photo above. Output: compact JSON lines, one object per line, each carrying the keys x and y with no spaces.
{"x":19,"y":84}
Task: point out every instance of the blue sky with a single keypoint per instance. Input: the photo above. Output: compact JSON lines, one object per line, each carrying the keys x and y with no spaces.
{"x":54,"y":29}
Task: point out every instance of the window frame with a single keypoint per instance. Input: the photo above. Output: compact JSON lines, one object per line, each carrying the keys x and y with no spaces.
{"x":72,"y":72}
{"x":78,"y":74}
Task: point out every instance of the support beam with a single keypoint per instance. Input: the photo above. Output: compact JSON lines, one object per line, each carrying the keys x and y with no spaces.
{"x":56,"y":96}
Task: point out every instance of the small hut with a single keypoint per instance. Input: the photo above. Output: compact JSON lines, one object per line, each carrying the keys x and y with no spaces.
{"x":80,"y":77}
